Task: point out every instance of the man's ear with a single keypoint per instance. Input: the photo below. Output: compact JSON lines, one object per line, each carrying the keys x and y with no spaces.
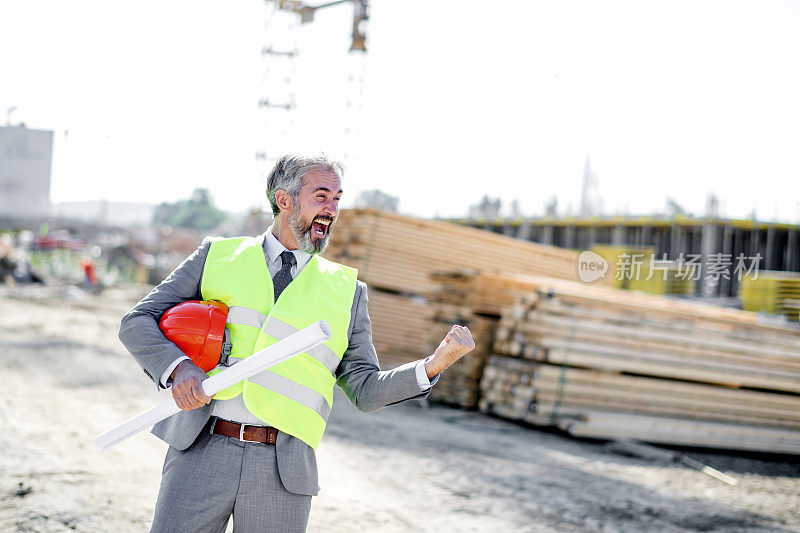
{"x":283,"y":199}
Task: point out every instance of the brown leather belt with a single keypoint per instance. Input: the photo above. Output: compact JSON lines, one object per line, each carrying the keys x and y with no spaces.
{"x":243,"y":432}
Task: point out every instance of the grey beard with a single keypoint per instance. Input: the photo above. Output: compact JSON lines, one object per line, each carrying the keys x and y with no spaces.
{"x":302,"y":234}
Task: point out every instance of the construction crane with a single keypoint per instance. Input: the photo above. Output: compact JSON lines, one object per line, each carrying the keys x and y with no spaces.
{"x":9,"y":112}
{"x":282,"y":52}
{"x":306,"y":12}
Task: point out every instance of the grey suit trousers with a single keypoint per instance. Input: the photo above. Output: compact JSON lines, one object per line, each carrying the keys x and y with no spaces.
{"x":218,"y":476}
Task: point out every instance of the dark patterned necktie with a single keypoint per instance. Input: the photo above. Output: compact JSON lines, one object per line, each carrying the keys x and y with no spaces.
{"x":283,"y":276}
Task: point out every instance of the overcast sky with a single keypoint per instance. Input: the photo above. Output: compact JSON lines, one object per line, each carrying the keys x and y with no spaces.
{"x":461,"y":98}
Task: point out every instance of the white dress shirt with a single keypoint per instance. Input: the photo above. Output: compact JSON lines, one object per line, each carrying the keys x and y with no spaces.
{"x":234,"y":409}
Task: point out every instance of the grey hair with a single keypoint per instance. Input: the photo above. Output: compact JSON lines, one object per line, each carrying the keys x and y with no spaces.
{"x":289,"y":171}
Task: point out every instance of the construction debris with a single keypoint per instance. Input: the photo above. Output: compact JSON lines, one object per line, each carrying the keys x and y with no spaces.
{"x":640,"y":449}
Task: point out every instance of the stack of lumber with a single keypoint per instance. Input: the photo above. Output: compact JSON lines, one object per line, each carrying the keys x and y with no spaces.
{"x":396,"y":255}
{"x":507,"y":389}
{"x":772,"y":291}
{"x":608,"y":363}
{"x":400,"y":253}
{"x":484,"y":293}
{"x":459,"y":384}
{"x":640,"y":408}
{"x":548,"y":330}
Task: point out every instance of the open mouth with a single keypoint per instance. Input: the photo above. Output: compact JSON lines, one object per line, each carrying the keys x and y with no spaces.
{"x":320,"y":227}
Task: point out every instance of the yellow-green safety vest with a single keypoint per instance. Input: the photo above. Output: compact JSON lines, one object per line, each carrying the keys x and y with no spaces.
{"x":294,"y":396}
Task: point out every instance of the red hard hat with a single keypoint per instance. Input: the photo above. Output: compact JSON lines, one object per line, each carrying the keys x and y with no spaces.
{"x":198,"y":329}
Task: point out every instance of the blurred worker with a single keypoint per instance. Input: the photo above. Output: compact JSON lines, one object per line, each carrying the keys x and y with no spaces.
{"x":250,"y":451}
{"x":7,"y":262}
{"x":89,"y":273}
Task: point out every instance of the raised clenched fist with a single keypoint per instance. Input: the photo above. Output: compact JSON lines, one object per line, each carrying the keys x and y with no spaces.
{"x":455,"y":344}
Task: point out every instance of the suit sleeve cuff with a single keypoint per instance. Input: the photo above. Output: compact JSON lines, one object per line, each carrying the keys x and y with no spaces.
{"x":165,"y":379}
{"x":422,"y":376}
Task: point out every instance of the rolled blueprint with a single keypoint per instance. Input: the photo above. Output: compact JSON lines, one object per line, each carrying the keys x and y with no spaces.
{"x":296,"y":343}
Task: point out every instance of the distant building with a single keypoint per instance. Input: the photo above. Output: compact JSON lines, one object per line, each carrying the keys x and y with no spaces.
{"x":107,"y":213}
{"x":716,"y":243}
{"x":25,"y":158}
{"x":590,"y":197}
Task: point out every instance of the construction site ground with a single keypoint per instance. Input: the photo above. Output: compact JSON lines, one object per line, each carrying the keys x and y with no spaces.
{"x":409,"y":467}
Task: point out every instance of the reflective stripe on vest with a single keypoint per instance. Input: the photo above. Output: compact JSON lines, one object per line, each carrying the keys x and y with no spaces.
{"x":294,"y":391}
{"x":245,"y":316}
{"x":280,"y":330}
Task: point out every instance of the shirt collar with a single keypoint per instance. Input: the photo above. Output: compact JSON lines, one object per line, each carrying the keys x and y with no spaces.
{"x":274,"y":249}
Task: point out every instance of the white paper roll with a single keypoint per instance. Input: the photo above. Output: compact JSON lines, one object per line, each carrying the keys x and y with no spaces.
{"x":298,"y":342}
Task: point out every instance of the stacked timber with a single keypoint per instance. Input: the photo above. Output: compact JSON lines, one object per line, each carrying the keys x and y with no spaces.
{"x":598,"y":404}
{"x":396,"y":255}
{"x":485,"y":293}
{"x":400,"y":253}
{"x":607,"y":363}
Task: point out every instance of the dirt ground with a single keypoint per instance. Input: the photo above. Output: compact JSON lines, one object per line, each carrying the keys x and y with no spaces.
{"x":67,"y":378}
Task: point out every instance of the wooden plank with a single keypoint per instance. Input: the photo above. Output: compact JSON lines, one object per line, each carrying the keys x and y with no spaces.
{"x":586,"y":399}
{"x":635,"y":350}
{"x":645,"y":365}
{"x":605,"y":297}
{"x":675,"y":431}
{"x":669,"y":387}
{"x":541,"y":321}
{"x":554,"y":306}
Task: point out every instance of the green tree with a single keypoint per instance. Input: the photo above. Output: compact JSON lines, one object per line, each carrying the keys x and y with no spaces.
{"x":377,"y":199}
{"x":197,"y":213}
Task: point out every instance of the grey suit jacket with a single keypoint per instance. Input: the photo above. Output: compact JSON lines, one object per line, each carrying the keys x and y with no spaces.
{"x":358,"y":374}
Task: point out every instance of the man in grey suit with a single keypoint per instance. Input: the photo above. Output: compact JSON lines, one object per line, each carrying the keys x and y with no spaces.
{"x":223,"y":460}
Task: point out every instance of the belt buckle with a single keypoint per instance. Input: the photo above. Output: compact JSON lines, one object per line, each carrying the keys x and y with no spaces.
{"x":241,"y":434}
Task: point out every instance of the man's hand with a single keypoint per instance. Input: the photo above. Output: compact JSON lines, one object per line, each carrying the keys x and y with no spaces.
{"x":186,"y":386}
{"x":456,"y":343}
